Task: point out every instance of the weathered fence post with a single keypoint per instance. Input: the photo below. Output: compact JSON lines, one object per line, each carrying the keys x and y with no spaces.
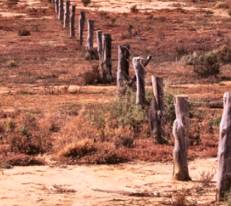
{"x":139,"y":64}
{"x":72,"y":21}
{"x":180,"y":133}
{"x":57,"y":6}
{"x":99,"y":44}
{"x":81,"y":26}
{"x":61,"y":10}
{"x":106,"y":68}
{"x":90,"y":35}
{"x":224,"y":150}
{"x":66,"y":20}
{"x":123,"y":68}
{"x":156,"y":109}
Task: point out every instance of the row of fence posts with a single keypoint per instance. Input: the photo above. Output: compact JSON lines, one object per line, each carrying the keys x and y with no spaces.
{"x":66,"y":14}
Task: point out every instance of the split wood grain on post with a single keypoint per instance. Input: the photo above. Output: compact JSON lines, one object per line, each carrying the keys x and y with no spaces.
{"x":106,"y":67}
{"x":156,"y":109}
{"x":56,"y":6}
{"x":224,"y":150}
{"x":180,"y":133}
{"x":72,"y":22}
{"x":90,"y":34}
{"x":99,"y":35}
{"x":61,"y":10}
{"x":66,"y":20}
{"x":123,"y":68}
{"x":139,"y":64}
{"x":82,"y":18}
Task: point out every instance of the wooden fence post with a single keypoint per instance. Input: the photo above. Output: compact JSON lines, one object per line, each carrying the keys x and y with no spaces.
{"x":61,"y":10}
{"x":139,"y":65}
{"x":180,"y":133}
{"x":57,"y":6}
{"x":123,"y":68}
{"x":81,"y":26}
{"x":106,"y":68}
{"x":224,"y":150}
{"x":72,"y":21}
{"x":66,"y":20}
{"x":156,"y":109}
{"x":99,"y":44}
{"x":90,"y":35}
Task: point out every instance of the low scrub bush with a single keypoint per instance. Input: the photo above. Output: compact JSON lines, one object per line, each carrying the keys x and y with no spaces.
{"x":206,"y":65}
{"x":169,"y":108}
{"x":22,"y":160}
{"x":27,"y":137}
{"x":111,"y":157}
{"x":121,"y":113}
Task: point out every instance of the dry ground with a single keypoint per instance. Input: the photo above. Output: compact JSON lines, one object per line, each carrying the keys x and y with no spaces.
{"x":127,"y":184}
{"x":47,"y":86}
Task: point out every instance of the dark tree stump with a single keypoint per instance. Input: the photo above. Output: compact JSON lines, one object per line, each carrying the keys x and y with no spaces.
{"x":61,"y":10}
{"x":224,"y":150}
{"x":72,"y":22}
{"x":139,"y":65}
{"x":81,"y":26}
{"x":66,"y":20}
{"x":123,"y":68}
{"x":106,"y":69}
{"x":156,"y":110}
{"x":180,"y":133}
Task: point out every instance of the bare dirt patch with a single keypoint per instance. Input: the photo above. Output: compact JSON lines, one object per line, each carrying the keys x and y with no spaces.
{"x":139,"y":183}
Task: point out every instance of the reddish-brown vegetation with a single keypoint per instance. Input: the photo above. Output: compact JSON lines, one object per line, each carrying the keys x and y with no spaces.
{"x":44,"y":112}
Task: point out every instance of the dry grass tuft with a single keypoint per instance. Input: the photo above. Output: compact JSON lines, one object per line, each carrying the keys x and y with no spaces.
{"x":180,"y":199}
{"x":78,"y":149}
{"x":206,"y":178}
{"x":21,"y":160}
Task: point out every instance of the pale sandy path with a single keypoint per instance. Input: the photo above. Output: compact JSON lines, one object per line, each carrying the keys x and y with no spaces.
{"x":99,"y":185}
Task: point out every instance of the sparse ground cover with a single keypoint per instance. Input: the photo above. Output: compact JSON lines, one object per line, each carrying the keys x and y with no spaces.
{"x":53,"y":107}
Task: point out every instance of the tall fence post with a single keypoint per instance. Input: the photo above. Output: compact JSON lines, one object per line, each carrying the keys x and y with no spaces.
{"x":57,"y":6}
{"x":106,"y":68}
{"x":224,"y":150}
{"x":90,"y":35}
{"x":123,"y":68}
{"x":139,"y":64}
{"x":99,"y":44}
{"x":180,"y":133}
{"x":61,"y":10}
{"x":156,"y":109}
{"x":66,"y":20}
{"x":82,"y":18}
{"x":72,"y":21}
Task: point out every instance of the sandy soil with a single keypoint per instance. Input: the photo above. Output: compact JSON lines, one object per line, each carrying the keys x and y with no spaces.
{"x":126,"y":184}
